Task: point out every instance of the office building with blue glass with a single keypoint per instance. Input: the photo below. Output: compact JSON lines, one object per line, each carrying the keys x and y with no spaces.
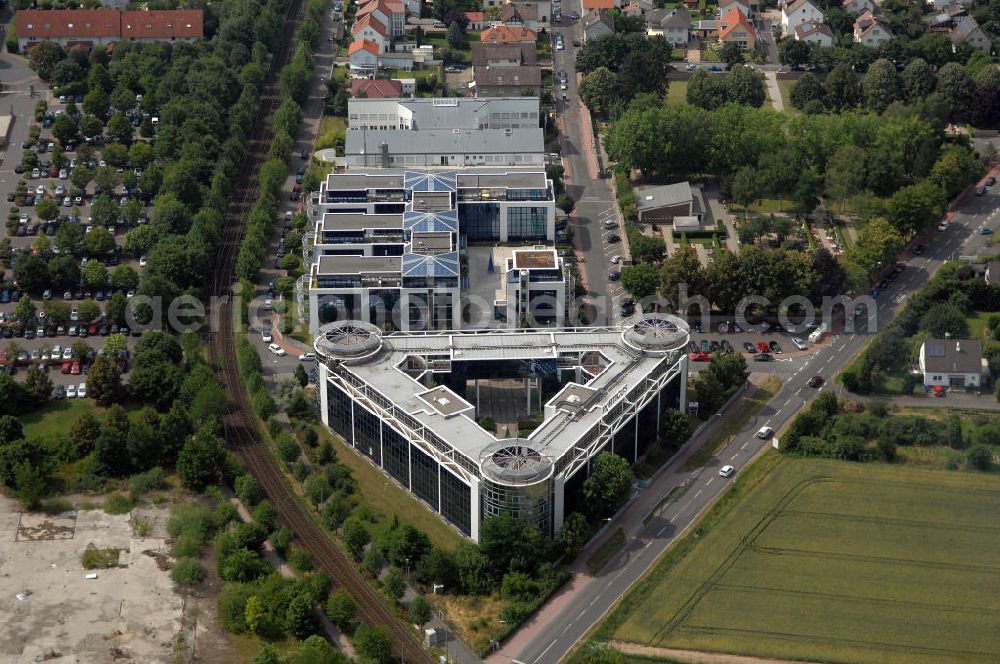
{"x":408,"y":402}
{"x":389,"y":245}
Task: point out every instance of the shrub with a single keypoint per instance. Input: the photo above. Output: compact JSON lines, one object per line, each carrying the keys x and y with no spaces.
{"x":300,"y":561}
{"x":94,"y":558}
{"x":281,"y":539}
{"x":188,"y":545}
{"x":153,"y":479}
{"x":288,"y":449}
{"x":187,"y":571}
{"x":118,"y":503}
{"x":232,"y":604}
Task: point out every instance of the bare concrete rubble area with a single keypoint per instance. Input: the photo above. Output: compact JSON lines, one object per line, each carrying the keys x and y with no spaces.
{"x":54,"y":610}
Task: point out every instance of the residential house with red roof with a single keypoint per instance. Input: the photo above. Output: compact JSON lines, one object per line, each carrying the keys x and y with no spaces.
{"x":362,"y":55}
{"x":391,"y":13}
{"x":734,"y":27}
{"x":87,"y":28}
{"x":370,"y":28}
{"x":476,"y":21}
{"x":376,"y":88}
{"x":504,"y":34}
{"x":814,"y":32}
{"x":871,"y":30}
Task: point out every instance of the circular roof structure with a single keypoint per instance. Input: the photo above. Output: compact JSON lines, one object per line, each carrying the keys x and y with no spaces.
{"x":347,"y":340}
{"x":514,"y":462}
{"x":656,"y":332}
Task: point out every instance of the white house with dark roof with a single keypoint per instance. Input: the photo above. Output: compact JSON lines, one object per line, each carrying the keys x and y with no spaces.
{"x":871,"y":30}
{"x":674,"y":25}
{"x":967,"y":31}
{"x":814,"y":32}
{"x":796,"y":13}
{"x":855,"y":7}
{"x":742,"y":5}
{"x":951,"y":362}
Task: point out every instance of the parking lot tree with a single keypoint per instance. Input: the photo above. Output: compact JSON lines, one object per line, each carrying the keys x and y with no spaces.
{"x":99,"y":241}
{"x":115,"y":343}
{"x":119,"y":128}
{"x":89,"y":311}
{"x":56,"y":311}
{"x":89,"y":126}
{"x":710,"y":393}
{"x":95,"y":275}
{"x":640,"y":280}
{"x":115,"y":154}
{"x":609,"y":484}
{"x":98,"y":77}
{"x":140,"y":154}
{"x":64,"y":129}
{"x":106,"y":177}
{"x":96,"y":102}
{"x":64,"y":270}
{"x":43,"y":57}
{"x":104,"y":211}
{"x":115,"y":308}
{"x":37,"y":386}
{"x":31,"y":272}
{"x":132,"y":211}
{"x":81,"y":177}
{"x":24,"y":310}
{"x":123,"y":277}
{"x":140,"y":240}
{"x":104,"y":382}
{"x":170,"y":215}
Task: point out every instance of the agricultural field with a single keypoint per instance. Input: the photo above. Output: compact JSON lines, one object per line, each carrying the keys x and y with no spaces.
{"x":831,"y":561}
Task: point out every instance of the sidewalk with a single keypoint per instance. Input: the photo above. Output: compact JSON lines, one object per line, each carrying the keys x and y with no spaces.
{"x":630,"y":522}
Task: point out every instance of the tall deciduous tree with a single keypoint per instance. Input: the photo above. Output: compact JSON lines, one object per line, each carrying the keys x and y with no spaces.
{"x":609,"y":484}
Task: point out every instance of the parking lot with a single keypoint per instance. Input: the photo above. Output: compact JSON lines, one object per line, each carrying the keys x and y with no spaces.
{"x":68,"y":213}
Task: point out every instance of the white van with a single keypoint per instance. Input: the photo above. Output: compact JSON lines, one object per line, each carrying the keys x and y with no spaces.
{"x":817,"y":335}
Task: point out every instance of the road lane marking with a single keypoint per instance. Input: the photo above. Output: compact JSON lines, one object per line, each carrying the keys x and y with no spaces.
{"x":547,"y":648}
{"x":798,"y":391}
{"x":778,"y":412}
{"x":734,"y":456}
{"x":662,"y":530}
{"x":744,"y":445}
{"x":697,"y":494}
{"x":710,"y":480}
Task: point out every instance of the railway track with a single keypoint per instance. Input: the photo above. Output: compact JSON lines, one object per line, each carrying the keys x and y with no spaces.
{"x":240,"y":423}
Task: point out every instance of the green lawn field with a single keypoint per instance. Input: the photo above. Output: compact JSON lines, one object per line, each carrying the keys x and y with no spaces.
{"x":832,"y":561}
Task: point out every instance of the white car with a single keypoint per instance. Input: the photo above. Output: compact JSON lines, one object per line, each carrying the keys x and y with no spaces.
{"x":74,"y":314}
{"x":40,"y":190}
{"x":616,"y":258}
{"x":276,"y":349}
{"x":82,"y":390}
{"x":67,"y":353}
{"x":55,"y":353}
{"x":71,"y":391}
{"x":798,"y":343}
{"x":305,"y":357}
{"x":142,"y":261}
{"x":726,"y":471}
{"x":266,"y":337}
{"x":765,"y":432}
{"x":943,"y":226}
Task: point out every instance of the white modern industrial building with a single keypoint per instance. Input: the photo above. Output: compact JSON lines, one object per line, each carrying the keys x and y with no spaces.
{"x":408,"y":402}
{"x":446,"y":133}
{"x":392,"y":247}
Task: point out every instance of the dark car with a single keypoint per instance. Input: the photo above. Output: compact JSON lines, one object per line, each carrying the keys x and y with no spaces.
{"x":762,"y":357}
{"x":749,"y":347}
{"x":614,"y":238}
{"x":614,"y":275}
{"x":713,"y":346}
{"x":980,"y":191}
{"x":726,"y":346}
{"x":705,"y":346}
{"x":815,"y":381}
{"x":775,"y":348}
{"x":60,"y":392}
{"x":918,"y":250}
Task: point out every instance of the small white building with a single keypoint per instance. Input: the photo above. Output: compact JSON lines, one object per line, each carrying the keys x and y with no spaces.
{"x":813,"y":32}
{"x":796,"y":13}
{"x":535,"y":285}
{"x":954,"y":363}
{"x":871,"y":30}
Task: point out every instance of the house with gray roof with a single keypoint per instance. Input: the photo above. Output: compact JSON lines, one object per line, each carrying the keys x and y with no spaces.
{"x":597,"y":24}
{"x":673,"y":24}
{"x":661,"y":204}
{"x":967,"y":31}
{"x":951,"y":362}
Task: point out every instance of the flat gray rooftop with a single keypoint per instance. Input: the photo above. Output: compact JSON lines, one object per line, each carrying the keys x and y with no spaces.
{"x":625,"y":367}
{"x":514,"y":180}
{"x":446,"y":141}
{"x":356,"y":221}
{"x":663,"y":196}
{"x":359,"y":264}
{"x":477,"y":177}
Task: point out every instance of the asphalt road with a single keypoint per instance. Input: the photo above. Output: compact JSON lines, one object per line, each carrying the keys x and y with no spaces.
{"x":595,"y":200}
{"x":559,"y":632}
